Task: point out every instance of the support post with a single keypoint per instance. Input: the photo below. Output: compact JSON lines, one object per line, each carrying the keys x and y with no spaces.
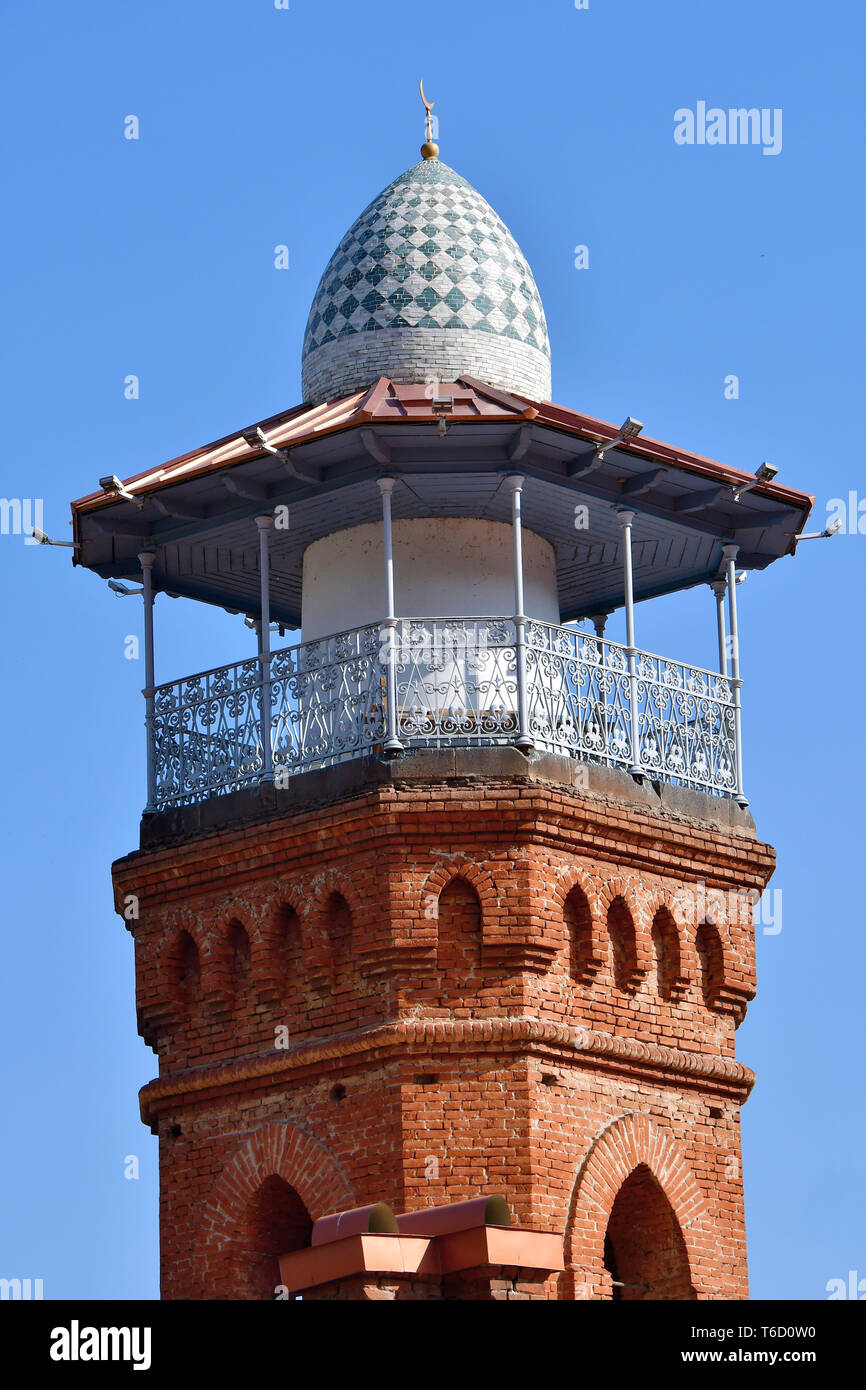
{"x":730,"y":553}
{"x":146,"y":559}
{"x":524,"y":739}
{"x":392,"y":745}
{"x":719,"y":588}
{"x":626,"y":518}
{"x":264,"y":524}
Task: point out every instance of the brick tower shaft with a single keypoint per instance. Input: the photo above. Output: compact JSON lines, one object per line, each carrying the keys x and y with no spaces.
{"x":461,"y":973}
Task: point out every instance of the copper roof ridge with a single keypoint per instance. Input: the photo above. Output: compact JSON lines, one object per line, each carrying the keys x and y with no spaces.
{"x":348,"y":412}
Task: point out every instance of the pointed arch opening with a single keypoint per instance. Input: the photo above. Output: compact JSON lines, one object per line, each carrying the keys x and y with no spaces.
{"x":711,"y":962}
{"x":666,"y":949}
{"x":287,"y":942}
{"x":274,"y":1222}
{"x":459,"y":915}
{"x":583,"y":962}
{"x":239,"y":958}
{"x":644,"y":1250}
{"x":623,"y":941}
{"x":338,"y":924}
{"x":188,"y":969}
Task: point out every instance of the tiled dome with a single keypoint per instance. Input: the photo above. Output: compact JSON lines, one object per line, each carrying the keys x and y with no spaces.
{"x":427,"y":285}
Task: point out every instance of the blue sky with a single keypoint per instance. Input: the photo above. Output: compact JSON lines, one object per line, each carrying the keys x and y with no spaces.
{"x":155,"y":257}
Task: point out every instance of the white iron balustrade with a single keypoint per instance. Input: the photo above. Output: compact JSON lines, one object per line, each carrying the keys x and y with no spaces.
{"x":456,"y":683}
{"x":579,"y":702}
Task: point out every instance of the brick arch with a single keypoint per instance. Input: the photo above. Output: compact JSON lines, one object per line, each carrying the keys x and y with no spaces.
{"x":236,"y":912}
{"x":692,"y":912}
{"x":172,"y":927}
{"x":285,"y":895}
{"x":735,"y":992}
{"x":569,"y":878}
{"x":627,"y":1143}
{"x":172,"y":1004}
{"x":712,"y":972}
{"x":670,"y":901}
{"x":574,"y":876}
{"x":219,"y":933}
{"x":315,"y":918}
{"x":478,"y":879}
{"x":317,"y":955}
{"x":275,"y":1150}
{"x":289,"y":895}
{"x":609,"y":890}
{"x":178,"y":921}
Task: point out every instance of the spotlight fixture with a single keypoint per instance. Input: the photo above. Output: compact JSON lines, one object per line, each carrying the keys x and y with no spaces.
{"x":629,"y":430}
{"x":441,"y":405}
{"x":41,"y":539}
{"x":254,"y":623}
{"x":123,"y":589}
{"x":765,"y":474}
{"x":114,"y":487}
{"x":254,"y":438}
{"x":831,"y":530}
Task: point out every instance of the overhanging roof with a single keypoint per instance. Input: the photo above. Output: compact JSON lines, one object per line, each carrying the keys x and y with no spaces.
{"x":196,"y":511}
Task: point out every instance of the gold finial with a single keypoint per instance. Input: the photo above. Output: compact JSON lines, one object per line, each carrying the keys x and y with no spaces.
{"x":429,"y":149}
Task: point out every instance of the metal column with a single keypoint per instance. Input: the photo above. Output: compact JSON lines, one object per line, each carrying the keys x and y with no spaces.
{"x":524,"y":738}
{"x":392,"y":743}
{"x":146,"y":559}
{"x":264,"y":524}
{"x":719,"y":588}
{"x":626,"y":519}
{"x":730,"y":553}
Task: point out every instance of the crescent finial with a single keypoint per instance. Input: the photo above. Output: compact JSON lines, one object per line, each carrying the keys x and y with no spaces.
{"x":429,"y":149}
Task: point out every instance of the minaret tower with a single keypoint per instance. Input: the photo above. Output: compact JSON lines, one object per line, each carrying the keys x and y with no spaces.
{"x":444,"y":902}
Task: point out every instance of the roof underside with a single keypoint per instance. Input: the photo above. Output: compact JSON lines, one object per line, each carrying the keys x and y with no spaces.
{"x":197,"y":511}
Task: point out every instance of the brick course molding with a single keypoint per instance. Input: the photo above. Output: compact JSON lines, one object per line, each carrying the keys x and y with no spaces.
{"x":425,"y":980}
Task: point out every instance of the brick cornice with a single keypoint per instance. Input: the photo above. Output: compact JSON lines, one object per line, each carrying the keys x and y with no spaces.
{"x":455,"y":1036}
{"x":629,"y":836}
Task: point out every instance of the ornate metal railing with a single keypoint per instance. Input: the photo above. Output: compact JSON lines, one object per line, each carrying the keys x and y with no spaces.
{"x":580,"y":701}
{"x":456,"y":682}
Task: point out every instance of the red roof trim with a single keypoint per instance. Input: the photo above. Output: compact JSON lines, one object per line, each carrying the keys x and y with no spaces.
{"x":377,"y":403}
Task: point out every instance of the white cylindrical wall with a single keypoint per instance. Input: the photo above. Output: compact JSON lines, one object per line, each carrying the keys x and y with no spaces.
{"x":444,"y":567}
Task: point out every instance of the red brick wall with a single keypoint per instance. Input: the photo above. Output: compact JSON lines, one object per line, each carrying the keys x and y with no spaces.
{"x":430,"y":990}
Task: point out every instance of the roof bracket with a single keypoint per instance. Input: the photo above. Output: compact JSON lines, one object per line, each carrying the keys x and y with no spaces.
{"x":177,"y":511}
{"x":520,"y":444}
{"x":641,"y":482}
{"x":376,"y":446}
{"x":758,"y":520}
{"x":696,"y":501}
{"x":136,"y":530}
{"x":584,"y":463}
{"x":301,"y":475}
{"x":254,"y":438}
{"x":253,"y":492}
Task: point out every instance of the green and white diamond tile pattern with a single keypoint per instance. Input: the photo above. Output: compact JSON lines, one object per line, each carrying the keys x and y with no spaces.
{"x":429,"y":256}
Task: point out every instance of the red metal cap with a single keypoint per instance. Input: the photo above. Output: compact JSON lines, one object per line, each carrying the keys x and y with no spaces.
{"x":377,"y":1219}
{"x":458,"y":1216}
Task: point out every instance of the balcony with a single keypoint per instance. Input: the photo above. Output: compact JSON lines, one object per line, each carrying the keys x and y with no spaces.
{"x":433,"y":683}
